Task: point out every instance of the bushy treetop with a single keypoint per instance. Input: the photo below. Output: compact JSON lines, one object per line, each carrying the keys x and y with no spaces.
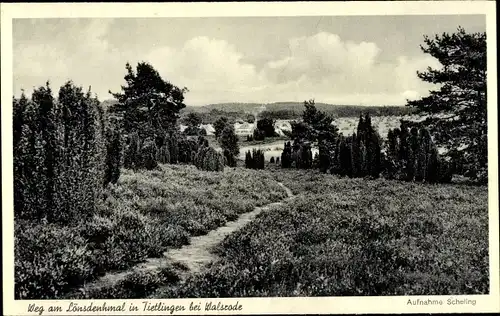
{"x":147,"y":101}
{"x":461,"y":127}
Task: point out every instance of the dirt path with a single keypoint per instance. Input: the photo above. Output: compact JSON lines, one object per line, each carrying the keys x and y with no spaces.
{"x":194,"y":256}
{"x":198,"y":253}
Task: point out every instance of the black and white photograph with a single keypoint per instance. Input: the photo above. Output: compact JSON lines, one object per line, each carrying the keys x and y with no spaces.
{"x":156,"y":158}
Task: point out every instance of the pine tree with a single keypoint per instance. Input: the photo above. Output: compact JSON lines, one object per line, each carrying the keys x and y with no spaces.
{"x":148,"y":104}
{"x":460,"y":99}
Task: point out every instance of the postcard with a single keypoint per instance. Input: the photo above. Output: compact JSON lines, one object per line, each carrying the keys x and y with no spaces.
{"x":249,"y":158}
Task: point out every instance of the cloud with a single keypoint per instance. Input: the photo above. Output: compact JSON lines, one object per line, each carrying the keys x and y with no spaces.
{"x":78,"y":52}
{"x":206,"y":64}
{"x":325,"y":65}
{"x":322,"y":66}
{"x":322,"y":55}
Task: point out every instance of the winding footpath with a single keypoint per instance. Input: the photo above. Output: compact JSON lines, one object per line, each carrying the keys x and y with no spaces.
{"x":194,"y":256}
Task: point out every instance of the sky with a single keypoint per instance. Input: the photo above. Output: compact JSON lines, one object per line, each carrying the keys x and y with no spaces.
{"x":365,"y":60}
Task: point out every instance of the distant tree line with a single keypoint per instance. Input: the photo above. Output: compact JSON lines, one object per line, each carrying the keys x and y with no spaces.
{"x":295,"y":113}
{"x":406,"y":155}
{"x":214,"y":114}
{"x":292,"y":111}
{"x":297,"y":156}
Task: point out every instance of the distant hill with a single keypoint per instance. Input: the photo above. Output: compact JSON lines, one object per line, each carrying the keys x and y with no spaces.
{"x":108,"y":103}
{"x":291,"y":110}
{"x":282,"y":110}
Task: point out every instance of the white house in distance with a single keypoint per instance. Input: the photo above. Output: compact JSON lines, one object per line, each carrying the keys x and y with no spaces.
{"x":209,"y":128}
{"x":244,"y":128}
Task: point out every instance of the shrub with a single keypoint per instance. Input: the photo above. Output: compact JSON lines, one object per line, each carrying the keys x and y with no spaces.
{"x":248,"y":160}
{"x":209,"y":159}
{"x":286,"y":156}
{"x":258,"y":134}
{"x":186,"y":147}
{"x":113,"y":156}
{"x":132,"y":152}
{"x":148,"y":157}
{"x":163,"y":154}
{"x":413,"y":156}
{"x":229,"y":158}
{"x":48,"y":260}
{"x":304,"y":157}
{"x":229,"y":144}
{"x":173,"y":148}
{"x":60,"y":154}
{"x":255,"y":159}
{"x":138,"y":284}
{"x":265,"y":128}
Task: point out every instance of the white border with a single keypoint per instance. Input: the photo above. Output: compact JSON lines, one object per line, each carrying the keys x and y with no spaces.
{"x":316,"y":305}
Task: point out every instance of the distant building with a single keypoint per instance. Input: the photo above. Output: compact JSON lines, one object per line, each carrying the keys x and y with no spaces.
{"x":209,"y":128}
{"x":244,"y":128}
{"x":283,"y":125}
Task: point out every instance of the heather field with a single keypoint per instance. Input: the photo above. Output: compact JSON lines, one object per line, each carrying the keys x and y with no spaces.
{"x":143,"y":192}
{"x":336,"y":237}
{"x":141,"y":216}
{"x":354,"y":237}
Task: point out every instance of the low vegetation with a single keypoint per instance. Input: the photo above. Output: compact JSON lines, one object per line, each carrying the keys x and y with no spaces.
{"x":141,"y":216}
{"x":345,"y":236}
{"x":103,"y":187}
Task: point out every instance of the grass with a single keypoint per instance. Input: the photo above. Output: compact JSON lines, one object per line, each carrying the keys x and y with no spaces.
{"x":355,"y":237}
{"x":338,"y":237}
{"x":141,"y":216}
{"x":268,"y":140}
